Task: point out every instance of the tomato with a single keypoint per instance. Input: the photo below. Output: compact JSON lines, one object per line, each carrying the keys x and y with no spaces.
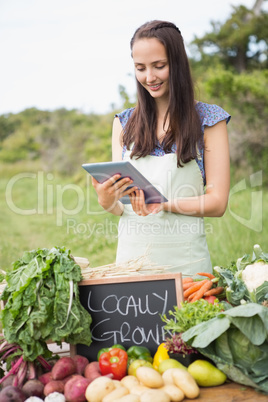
{"x":210,"y":299}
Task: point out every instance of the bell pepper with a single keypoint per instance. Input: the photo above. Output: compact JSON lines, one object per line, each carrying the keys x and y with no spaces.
{"x":114,"y":362}
{"x":139,"y":353}
{"x":160,"y":355}
{"x":103,"y":350}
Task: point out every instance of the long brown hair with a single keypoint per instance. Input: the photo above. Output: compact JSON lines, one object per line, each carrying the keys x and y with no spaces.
{"x":184,"y":128}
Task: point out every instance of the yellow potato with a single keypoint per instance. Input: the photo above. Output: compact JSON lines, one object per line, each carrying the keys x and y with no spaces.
{"x":98,"y":389}
{"x":149,"y":377}
{"x":128,"y":398}
{"x":167,"y":377}
{"x":174,"y":392}
{"x":138,"y":390}
{"x":115,"y":394}
{"x":154,"y":395}
{"x":117,"y":383}
{"x":130,"y":381}
{"x":186,"y":383}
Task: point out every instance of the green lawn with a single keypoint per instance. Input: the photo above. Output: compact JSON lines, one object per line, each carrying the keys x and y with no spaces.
{"x":40,"y":210}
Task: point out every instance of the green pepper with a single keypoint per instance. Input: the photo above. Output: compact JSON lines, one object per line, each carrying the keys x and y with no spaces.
{"x":139,"y":353}
{"x":106,"y":350}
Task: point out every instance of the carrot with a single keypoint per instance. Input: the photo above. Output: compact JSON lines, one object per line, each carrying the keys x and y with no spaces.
{"x":186,"y":280}
{"x":200,"y":293}
{"x":192,"y":289}
{"x":207,"y":274}
{"x":187,"y":285}
{"x":191,"y":296}
{"x":214,"y":291}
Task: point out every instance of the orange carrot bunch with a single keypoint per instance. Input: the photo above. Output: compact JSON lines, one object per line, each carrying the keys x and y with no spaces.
{"x":196,"y":289}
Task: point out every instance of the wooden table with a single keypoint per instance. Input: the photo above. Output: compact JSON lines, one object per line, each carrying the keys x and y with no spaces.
{"x":229,"y":392}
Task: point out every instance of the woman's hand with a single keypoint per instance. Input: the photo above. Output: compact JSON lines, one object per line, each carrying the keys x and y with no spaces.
{"x":110,"y":191}
{"x":139,"y":207}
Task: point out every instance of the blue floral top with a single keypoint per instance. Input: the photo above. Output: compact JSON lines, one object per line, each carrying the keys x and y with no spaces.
{"x":209,"y":116}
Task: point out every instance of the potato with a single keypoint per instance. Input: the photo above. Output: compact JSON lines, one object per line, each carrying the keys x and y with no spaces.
{"x":45,"y":378}
{"x":92,"y":371}
{"x":130,"y":381}
{"x":167,"y":377}
{"x":75,"y":388}
{"x":154,"y":395}
{"x":117,"y":383}
{"x":128,"y":398}
{"x":138,"y":390}
{"x":186,"y":383}
{"x":64,"y":367}
{"x":54,"y":386}
{"x":174,"y":392}
{"x":149,"y":377}
{"x":81,"y":363}
{"x":99,"y":388}
{"x":115,"y":394}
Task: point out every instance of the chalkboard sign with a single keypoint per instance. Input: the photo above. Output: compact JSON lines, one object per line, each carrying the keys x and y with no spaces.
{"x":126,"y":310}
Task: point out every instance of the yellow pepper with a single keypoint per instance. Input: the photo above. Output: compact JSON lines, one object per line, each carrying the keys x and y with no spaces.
{"x":160,"y":355}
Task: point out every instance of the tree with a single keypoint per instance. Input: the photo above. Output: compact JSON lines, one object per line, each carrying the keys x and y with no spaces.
{"x":241,"y":42}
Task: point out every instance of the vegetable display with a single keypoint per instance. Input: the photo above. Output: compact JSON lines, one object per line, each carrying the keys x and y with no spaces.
{"x":247,"y":279}
{"x":195,"y":289}
{"x":236,"y":340}
{"x":42,"y":303}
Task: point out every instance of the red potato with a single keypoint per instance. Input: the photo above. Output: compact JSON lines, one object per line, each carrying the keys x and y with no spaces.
{"x":81,"y":363}
{"x":11,"y":394}
{"x":75,"y":388}
{"x":64,"y":380}
{"x":64,"y":367}
{"x":54,"y":386}
{"x":33,"y":388}
{"x":92,"y":371}
{"x":45,"y":378}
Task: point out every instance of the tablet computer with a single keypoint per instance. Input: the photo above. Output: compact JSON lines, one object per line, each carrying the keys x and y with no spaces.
{"x":104,"y":170}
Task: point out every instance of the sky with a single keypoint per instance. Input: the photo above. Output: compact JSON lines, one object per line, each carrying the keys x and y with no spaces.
{"x":75,"y":53}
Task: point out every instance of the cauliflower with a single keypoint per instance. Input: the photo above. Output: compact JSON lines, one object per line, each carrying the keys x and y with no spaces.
{"x":255,"y":275}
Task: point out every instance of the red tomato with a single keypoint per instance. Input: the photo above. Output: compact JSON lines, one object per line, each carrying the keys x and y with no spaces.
{"x":210,"y":299}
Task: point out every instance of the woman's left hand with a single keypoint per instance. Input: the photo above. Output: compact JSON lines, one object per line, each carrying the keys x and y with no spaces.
{"x":140,"y":208}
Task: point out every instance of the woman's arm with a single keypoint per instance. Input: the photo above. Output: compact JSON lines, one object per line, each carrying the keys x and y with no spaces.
{"x":110,"y":191}
{"x":117,"y":147}
{"x":217,"y":168}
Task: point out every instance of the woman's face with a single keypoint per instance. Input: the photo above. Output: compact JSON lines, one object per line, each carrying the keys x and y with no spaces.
{"x":151,"y":67}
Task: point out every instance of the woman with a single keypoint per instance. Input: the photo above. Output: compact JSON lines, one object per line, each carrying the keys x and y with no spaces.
{"x":180,"y":145}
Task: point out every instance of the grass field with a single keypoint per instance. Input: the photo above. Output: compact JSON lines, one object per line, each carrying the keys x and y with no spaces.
{"x":40,"y":210}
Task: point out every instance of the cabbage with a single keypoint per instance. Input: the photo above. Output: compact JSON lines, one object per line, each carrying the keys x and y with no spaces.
{"x":236,"y":340}
{"x":233,"y":278}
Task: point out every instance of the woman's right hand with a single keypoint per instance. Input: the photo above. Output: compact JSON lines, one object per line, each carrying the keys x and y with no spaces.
{"x":110,"y":191}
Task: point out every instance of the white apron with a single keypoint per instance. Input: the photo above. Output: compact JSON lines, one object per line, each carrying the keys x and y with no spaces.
{"x":169,"y":239}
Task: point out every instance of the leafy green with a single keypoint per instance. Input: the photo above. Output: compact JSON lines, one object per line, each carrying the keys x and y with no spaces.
{"x":42,"y":302}
{"x":237,"y":341}
{"x":231,"y":278}
{"x":191,"y":314}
